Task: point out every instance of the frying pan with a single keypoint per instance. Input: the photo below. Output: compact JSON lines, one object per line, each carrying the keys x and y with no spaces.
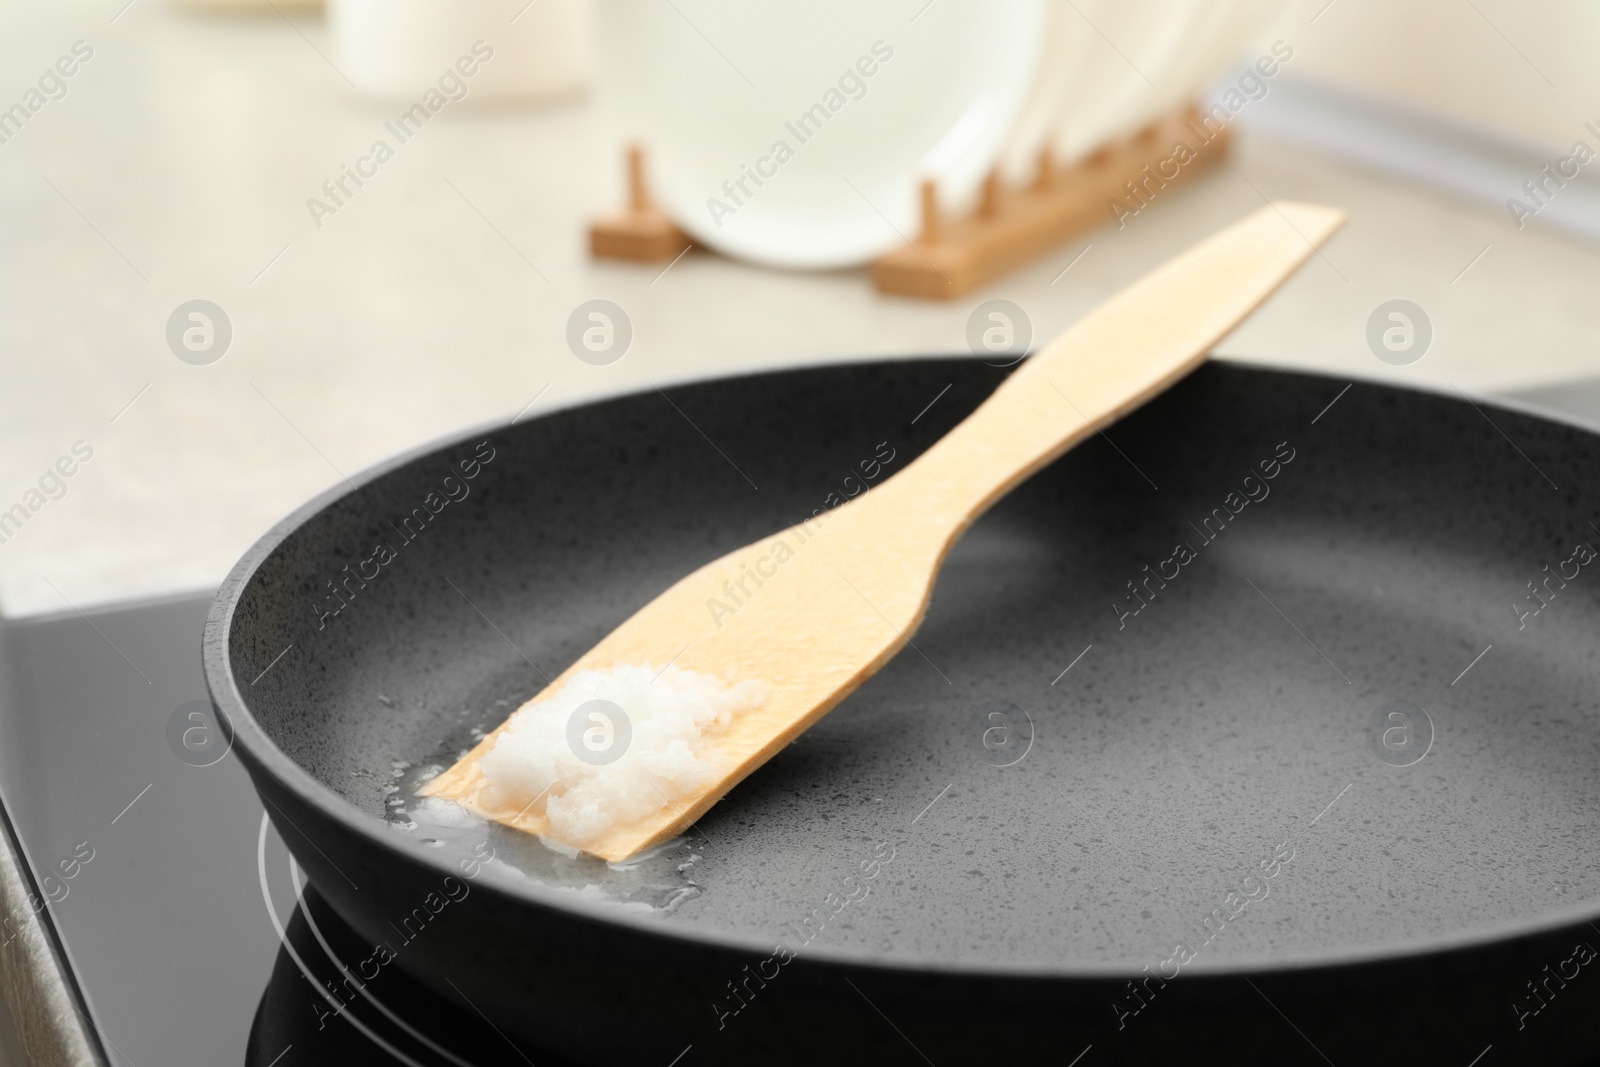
{"x":1321,"y":787}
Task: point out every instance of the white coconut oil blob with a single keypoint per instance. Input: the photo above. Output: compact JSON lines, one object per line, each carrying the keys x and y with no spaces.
{"x":543,"y":762}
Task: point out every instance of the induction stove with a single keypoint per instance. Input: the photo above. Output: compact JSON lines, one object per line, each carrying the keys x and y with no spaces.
{"x":185,"y":932}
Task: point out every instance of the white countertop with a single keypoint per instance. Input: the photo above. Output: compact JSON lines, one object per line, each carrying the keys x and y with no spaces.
{"x":178,"y":165}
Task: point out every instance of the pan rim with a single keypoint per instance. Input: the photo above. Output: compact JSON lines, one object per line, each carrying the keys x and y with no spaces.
{"x":259,"y":749}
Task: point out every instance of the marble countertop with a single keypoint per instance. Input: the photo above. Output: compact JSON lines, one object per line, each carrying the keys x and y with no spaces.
{"x":177,"y":166}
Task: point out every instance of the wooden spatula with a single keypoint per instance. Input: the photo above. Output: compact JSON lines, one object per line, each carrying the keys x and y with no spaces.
{"x":854,"y":583}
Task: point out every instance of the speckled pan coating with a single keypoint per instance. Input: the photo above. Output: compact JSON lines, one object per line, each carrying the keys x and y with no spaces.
{"x":1226,"y":722}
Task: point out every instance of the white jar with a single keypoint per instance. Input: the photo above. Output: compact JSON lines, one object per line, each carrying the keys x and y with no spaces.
{"x":392,"y":50}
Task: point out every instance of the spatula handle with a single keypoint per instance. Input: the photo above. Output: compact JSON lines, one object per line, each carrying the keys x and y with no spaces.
{"x":1110,"y":362}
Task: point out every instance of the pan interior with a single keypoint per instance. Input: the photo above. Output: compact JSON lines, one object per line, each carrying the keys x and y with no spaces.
{"x":1154,"y":701}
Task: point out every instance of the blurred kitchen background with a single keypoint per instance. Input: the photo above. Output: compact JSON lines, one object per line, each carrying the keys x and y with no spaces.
{"x":157,"y":153}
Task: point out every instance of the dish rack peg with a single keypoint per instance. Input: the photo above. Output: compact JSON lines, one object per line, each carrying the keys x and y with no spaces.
{"x":638,"y":195}
{"x":641,"y":232}
{"x":989,"y":195}
{"x":1045,"y":176}
{"x":930,"y":213}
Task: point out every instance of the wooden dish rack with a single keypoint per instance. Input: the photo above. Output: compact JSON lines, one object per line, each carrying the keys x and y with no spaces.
{"x":1010,"y":226}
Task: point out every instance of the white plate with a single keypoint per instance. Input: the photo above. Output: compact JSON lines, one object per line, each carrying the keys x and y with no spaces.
{"x":1134,"y":42}
{"x":1187,"y":71}
{"x":713,"y":88}
{"x":1212,"y":47}
{"x":1250,"y":22}
{"x":1067,"y":43}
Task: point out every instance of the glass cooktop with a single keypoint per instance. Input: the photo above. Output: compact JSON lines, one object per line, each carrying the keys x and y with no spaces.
{"x":188,"y":933}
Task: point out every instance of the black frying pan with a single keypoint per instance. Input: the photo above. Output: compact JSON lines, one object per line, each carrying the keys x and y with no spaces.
{"x":1287,"y":752}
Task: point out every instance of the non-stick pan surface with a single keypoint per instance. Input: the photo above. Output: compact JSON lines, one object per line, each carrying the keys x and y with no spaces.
{"x":1264,"y":723}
